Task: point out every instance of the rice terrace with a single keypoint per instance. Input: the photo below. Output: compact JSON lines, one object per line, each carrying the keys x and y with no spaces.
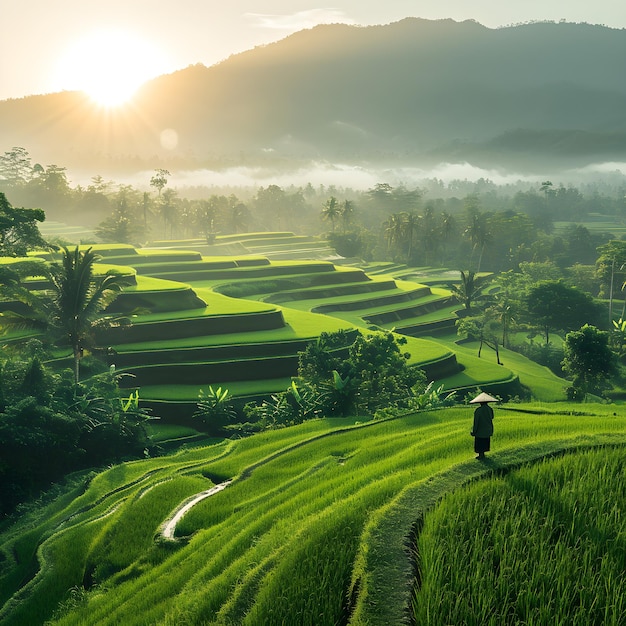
{"x":332,"y":520}
{"x":313,"y":315}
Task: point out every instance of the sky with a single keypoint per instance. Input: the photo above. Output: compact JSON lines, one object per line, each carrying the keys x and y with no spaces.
{"x":89,"y":44}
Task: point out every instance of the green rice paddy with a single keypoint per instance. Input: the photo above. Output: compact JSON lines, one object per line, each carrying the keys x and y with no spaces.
{"x":315,"y":523}
{"x":334,"y":521}
{"x":181,"y":300}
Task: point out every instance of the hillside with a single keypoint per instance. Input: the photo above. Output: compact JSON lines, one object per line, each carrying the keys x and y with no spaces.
{"x":414,"y":91}
{"x":302,"y":525}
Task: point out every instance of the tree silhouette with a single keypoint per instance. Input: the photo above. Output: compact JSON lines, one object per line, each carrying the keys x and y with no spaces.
{"x":347,"y":214}
{"x":331,"y":211}
{"x":70,"y":309}
{"x":468,"y":291}
{"x":478,"y":234}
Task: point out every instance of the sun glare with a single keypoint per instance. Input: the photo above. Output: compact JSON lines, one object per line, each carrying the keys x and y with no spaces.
{"x":109,"y":66}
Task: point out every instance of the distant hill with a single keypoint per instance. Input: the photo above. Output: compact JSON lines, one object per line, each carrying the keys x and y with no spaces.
{"x":415,"y":91}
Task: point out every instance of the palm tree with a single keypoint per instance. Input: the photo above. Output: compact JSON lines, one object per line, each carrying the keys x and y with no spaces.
{"x":331,"y":211}
{"x":446,"y":228}
{"x":168,"y":210}
{"x":411,"y":224}
{"x":78,"y":300}
{"x":394,"y":230}
{"x":347,"y":214}
{"x":70,"y":309}
{"x":468,"y":290}
{"x":478,"y":234}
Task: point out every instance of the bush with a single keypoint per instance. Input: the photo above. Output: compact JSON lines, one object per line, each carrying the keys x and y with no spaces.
{"x":49,"y":427}
{"x":548,"y":355}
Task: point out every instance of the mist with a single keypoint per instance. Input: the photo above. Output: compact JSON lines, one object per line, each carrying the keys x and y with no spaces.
{"x":361,"y":178}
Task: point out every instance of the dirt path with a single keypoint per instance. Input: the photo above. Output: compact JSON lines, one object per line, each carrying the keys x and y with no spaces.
{"x":169,"y":527}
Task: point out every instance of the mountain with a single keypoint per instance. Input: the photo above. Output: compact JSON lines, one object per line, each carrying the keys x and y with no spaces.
{"x":412,"y":92}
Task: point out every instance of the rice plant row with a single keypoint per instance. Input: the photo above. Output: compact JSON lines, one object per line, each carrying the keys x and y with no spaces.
{"x":543,"y":545}
{"x":287,"y":540}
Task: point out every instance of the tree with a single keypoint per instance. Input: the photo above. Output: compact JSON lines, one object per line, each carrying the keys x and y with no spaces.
{"x":18,"y":229}
{"x":554,"y":305}
{"x":49,"y":426}
{"x":159,"y":179}
{"x":274,"y":205}
{"x":482,"y":328}
{"x":446,"y":229}
{"x":347,"y":214}
{"x":53,"y":181}
{"x":238,"y":215}
{"x":611,"y":265}
{"x":477,"y":229}
{"x":331,"y":211}
{"x":381,"y":193}
{"x":347,"y":244}
{"x":410,"y":224}
{"x":547,"y":189}
{"x":15,"y":167}
{"x":394,"y":231}
{"x":589,"y":360}
{"x":123,"y":225}
{"x":78,"y":300}
{"x":70,"y":309}
{"x":468,"y":290}
{"x":168,"y":210}
{"x":365,"y":373}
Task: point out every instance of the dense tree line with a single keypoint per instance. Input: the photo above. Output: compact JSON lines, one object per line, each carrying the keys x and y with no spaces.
{"x":51,"y":426}
{"x":495,"y":227}
{"x":51,"y":422}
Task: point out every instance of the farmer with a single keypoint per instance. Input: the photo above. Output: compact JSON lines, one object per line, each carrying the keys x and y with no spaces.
{"x":483,"y":424}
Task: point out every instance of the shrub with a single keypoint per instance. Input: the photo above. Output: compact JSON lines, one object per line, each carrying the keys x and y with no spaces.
{"x":215,"y":408}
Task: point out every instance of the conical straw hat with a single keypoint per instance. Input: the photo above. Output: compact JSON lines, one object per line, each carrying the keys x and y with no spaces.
{"x":483,"y":397}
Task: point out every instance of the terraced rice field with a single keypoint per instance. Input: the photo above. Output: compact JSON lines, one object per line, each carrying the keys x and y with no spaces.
{"x":310,"y":525}
{"x":238,"y":321}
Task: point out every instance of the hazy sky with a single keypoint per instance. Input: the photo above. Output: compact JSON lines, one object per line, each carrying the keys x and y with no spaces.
{"x":49,"y":46}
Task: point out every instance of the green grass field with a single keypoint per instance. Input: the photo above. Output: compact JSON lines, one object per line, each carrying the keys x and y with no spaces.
{"x":543,"y":544}
{"x":336,"y":521}
{"x":181,"y":300}
{"x":312,"y":528}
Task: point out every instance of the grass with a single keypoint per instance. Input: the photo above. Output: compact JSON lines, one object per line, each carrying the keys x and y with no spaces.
{"x":543,"y":545}
{"x":177,"y":318}
{"x":543,"y":384}
{"x":307,"y":530}
{"x":314,"y":527}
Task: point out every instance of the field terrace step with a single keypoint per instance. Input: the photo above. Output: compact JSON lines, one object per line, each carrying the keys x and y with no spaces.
{"x":143,"y":257}
{"x":385,"y":268}
{"x":416,"y":310}
{"x":441,"y":368}
{"x":238,"y":273}
{"x":244,"y":237}
{"x":191,"y":260}
{"x":287,"y":282}
{"x":157,"y":301}
{"x":322,"y":254}
{"x":432,"y":328}
{"x":210,"y":373}
{"x":271,"y":242}
{"x":191,"y":327}
{"x":206,"y":354}
{"x":331,"y":291}
{"x":378,"y":301}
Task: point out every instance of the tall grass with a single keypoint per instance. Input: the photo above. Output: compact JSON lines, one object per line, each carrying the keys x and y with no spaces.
{"x":282,"y":540}
{"x":545,"y":545}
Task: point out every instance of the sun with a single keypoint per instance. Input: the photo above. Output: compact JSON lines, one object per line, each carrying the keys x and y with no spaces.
{"x":109,"y":66}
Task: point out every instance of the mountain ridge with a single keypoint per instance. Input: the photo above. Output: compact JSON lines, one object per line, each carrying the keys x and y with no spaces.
{"x":407,"y":90}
